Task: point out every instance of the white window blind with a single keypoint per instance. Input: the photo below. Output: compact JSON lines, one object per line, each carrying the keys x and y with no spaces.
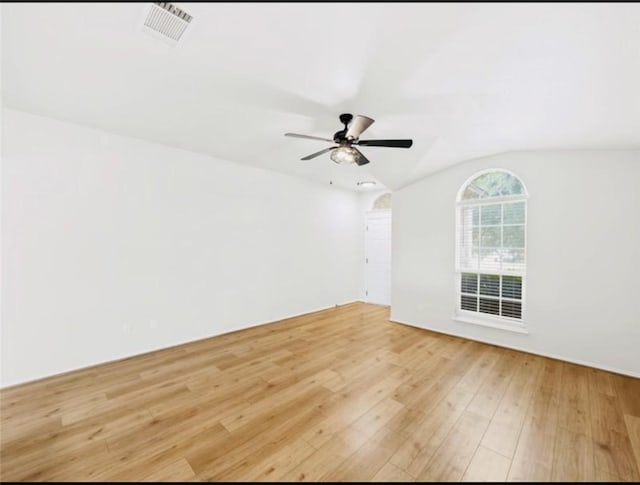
{"x":491,"y":246}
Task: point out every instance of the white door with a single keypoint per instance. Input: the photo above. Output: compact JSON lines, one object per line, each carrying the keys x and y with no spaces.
{"x":378,"y":257}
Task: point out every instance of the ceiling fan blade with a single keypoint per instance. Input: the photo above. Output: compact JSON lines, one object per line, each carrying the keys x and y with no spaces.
{"x":362,"y":160}
{"x":358,"y":125}
{"x":308,"y":137}
{"x":386,"y":143}
{"x":317,"y":154}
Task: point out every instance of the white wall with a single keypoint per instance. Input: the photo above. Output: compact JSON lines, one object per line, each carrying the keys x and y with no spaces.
{"x":583,"y":250}
{"x":1,"y":182}
{"x":114,"y":246}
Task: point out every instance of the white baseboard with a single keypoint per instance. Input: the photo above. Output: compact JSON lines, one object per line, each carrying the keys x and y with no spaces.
{"x":528,"y":351}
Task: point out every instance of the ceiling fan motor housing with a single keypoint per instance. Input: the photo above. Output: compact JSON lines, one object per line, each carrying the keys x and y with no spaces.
{"x":341,"y":136}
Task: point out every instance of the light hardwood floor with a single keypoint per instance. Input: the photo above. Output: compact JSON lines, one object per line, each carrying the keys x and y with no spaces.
{"x":341,"y":394}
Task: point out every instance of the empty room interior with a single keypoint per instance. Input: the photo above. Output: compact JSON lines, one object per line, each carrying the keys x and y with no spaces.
{"x":320,"y":242}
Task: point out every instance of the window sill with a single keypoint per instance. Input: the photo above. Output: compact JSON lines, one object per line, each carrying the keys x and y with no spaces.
{"x":510,"y":327}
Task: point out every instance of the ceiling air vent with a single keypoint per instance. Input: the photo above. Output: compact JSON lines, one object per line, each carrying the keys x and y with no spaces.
{"x":167,"y":20}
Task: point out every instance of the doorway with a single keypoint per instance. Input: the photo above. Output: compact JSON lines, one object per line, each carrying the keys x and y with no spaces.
{"x":378,"y":257}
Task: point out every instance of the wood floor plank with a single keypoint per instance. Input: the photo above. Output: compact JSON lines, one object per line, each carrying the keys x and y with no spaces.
{"x":424,"y":440}
{"x":487,"y":466}
{"x":364,"y":393}
{"x":533,"y":458}
{"x":275,"y":466}
{"x":506,"y":424}
{"x":44,"y":465}
{"x":573,"y":457}
{"x":331,"y":454}
{"x":414,"y":454}
{"x":602,"y":381}
{"x":369,"y":459}
{"x":486,"y":400}
{"x":391,"y":473}
{"x":75,"y":436}
{"x":574,"y":413}
{"x":341,"y":394}
{"x":456,"y":452}
{"x":264,"y":406}
{"x":449,"y":376}
{"x":633,"y":431}
{"x":267,"y":434}
{"x":378,"y":415}
{"x":134,"y":462}
{"x":628,"y":392}
{"x":613,"y":452}
{"x":16,"y":411}
{"x":178,"y":471}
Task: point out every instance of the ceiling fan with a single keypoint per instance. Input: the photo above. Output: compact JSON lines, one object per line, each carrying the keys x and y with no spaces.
{"x":345,"y":152}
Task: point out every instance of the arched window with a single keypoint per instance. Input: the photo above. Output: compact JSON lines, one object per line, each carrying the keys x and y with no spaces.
{"x":382,"y":202}
{"x":491,"y":231}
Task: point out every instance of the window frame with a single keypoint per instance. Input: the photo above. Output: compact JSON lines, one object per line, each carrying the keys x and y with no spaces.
{"x":476,"y":317}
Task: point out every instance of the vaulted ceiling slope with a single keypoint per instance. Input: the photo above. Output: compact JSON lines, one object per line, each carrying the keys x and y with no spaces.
{"x":462,"y":80}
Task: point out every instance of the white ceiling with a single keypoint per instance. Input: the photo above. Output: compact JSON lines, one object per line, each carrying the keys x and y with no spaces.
{"x":462,"y":80}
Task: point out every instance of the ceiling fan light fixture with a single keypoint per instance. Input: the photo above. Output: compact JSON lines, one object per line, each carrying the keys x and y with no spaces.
{"x":345,"y":155}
